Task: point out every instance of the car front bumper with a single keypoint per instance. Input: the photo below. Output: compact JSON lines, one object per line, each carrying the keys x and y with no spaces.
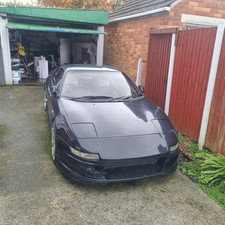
{"x":110,"y":171}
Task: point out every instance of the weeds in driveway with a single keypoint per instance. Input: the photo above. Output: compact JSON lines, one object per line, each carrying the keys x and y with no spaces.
{"x":48,"y":137}
{"x":2,"y":160}
{"x":2,"y":130}
{"x":2,"y":134}
{"x":207,"y":170}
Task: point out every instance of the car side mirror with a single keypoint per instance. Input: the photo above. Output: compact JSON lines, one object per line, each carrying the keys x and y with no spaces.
{"x":53,"y":90}
{"x":141,"y":88}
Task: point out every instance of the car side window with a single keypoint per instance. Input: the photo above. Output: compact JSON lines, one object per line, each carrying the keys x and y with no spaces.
{"x":53,"y":71}
{"x":53,"y":74}
{"x":58,"y":76}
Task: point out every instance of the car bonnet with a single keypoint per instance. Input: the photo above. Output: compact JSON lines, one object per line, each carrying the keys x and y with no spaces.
{"x":113,"y":119}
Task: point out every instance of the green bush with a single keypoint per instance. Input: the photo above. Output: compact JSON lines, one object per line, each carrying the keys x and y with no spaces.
{"x":207,"y":171}
{"x":213,"y":169}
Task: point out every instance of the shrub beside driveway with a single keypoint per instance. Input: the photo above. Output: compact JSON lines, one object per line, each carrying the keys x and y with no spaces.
{"x":206,"y":169}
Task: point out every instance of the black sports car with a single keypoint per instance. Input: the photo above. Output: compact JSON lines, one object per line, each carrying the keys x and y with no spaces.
{"x":103,"y":129}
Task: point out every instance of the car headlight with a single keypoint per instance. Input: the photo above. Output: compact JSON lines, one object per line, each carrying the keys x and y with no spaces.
{"x":174,"y":148}
{"x":84,"y":155}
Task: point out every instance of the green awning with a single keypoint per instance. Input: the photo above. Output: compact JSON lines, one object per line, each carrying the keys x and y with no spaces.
{"x":94,"y":17}
{"x":22,"y":26}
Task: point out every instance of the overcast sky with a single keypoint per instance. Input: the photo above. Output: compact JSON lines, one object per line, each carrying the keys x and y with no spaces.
{"x":22,"y":1}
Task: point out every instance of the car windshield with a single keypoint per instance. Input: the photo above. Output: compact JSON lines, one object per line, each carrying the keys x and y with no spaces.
{"x":104,"y":85}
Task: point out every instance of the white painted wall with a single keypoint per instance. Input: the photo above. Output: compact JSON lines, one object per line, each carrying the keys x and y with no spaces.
{"x":100,"y":47}
{"x":2,"y":74}
{"x":64,"y":51}
{"x":4,"y":34}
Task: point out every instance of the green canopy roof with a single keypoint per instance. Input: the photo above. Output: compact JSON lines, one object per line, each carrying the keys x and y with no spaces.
{"x":22,"y":26}
{"x":98,"y":17}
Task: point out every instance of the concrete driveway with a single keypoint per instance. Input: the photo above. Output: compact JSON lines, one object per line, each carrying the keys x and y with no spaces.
{"x":32,"y":190}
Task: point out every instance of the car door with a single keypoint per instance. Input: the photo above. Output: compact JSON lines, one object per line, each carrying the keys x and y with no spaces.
{"x":48,"y":91}
{"x":49,"y":87}
{"x":53,"y":93}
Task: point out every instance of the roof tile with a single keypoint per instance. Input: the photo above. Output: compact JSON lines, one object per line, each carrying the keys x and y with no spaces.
{"x":132,"y":7}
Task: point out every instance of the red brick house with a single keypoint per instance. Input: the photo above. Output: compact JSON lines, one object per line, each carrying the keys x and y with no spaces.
{"x":129,"y":24}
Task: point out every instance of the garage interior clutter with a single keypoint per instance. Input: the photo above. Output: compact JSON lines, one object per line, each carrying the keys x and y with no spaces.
{"x":34,"y":54}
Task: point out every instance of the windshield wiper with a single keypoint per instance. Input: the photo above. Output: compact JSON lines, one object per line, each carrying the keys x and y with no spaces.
{"x":122,"y":98}
{"x":86,"y":98}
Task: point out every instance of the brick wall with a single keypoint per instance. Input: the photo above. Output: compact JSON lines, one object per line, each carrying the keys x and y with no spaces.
{"x":127,"y":41}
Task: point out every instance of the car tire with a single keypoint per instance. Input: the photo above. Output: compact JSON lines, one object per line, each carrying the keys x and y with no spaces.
{"x":53,"y":142}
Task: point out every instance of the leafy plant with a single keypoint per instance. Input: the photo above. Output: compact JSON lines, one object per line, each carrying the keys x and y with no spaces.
{"x":181,"y":138}
{"x":213,"y":169}
{"x":207,"y":171}
{"x":200,"y":155}
{"x":193,"y":169}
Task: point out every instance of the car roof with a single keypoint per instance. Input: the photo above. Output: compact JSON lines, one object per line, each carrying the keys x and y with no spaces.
{"x":88,"y":67}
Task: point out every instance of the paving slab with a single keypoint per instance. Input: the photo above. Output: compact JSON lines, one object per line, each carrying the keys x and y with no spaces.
{"x":33,"y":191}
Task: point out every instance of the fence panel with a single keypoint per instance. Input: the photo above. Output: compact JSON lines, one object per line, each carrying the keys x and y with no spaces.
{"x":157,"y":68}
{"x":215,"y":137}
{"x":192,"y":63}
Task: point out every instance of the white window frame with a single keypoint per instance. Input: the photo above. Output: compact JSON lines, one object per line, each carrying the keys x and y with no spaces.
{"x":201,"y":21}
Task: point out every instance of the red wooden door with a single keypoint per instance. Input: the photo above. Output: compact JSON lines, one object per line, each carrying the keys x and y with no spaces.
{"x":157,"y":67}
{"x":215,"y":137}
{"x":192,"y":63}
